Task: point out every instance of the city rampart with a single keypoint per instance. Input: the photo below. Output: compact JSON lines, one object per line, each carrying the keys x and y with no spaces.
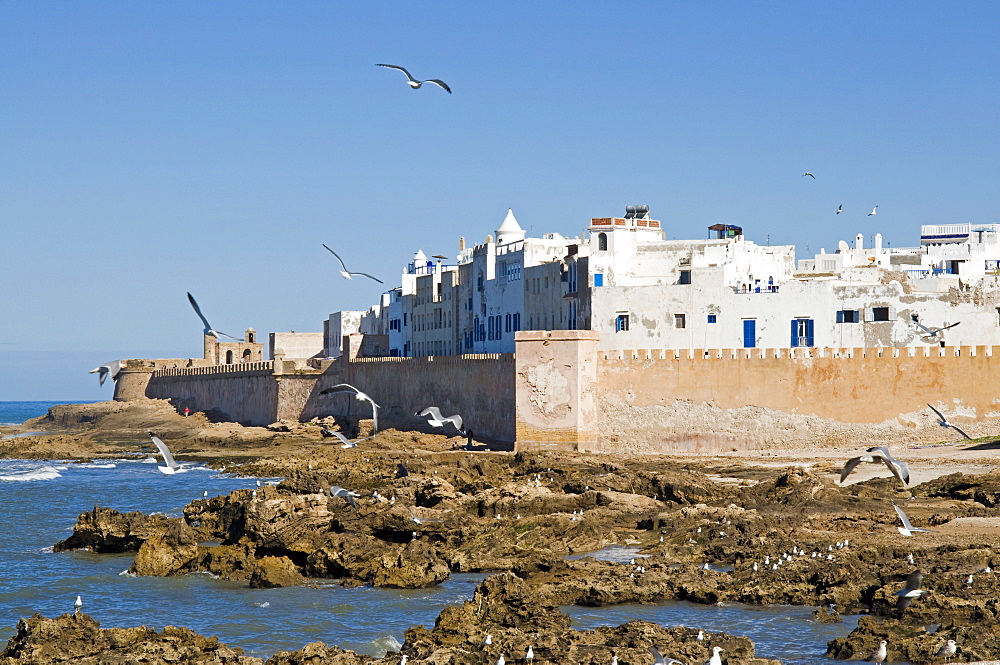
{"x":242,"y":392}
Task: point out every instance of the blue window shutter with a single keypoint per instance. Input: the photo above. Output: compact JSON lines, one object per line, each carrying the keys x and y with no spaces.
{"x":809,"y":333}
{"x":795,"y":330}
{"x":598,"y":279}
{"x":840,"y":316}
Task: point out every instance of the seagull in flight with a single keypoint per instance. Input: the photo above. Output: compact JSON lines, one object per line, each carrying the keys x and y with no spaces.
{"x":943,"y":422}
{"x":660,"y":659}
{"x":170,"y":466}
{"x":346,"y":443}
{"x":931,"y":332}
{"x":808,"y":174}
{"x":874,"y":211}
{"x":208,"y":328}
{"x":898,"y":467}
{"x":109,"y":369}
{"x":437,"y":420}
{"x":910,"y":591}
{"x":414,"y":83}
{"x":346,"y":274}
{"x":840,"y":208}
{"x":908,"y":529}
{"x":347,"y":494}
{"x":358,"y":395}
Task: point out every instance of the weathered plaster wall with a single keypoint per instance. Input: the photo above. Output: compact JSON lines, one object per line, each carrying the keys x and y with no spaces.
{"x":847,"y":385}
{"x":556,"y":389}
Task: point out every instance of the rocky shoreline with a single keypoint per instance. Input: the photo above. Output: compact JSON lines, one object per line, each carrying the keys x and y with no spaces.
{"x":765,"y":527}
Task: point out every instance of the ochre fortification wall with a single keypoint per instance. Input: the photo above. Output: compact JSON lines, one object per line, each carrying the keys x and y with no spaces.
{"x":479,"y":387}
{"x":849,"y":385}
{"x":245,"y":393}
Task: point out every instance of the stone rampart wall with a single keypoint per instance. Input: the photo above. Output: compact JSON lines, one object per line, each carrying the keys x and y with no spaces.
{"x":862,"y":385}
{"x":245,"y":393}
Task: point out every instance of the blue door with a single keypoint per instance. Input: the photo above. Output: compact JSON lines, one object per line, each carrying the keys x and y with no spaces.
{"x":749,"y":333}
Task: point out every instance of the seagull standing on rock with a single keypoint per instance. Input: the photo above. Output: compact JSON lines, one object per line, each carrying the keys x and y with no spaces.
{"x":77,"y":605}
{"x":878,"y":656}
{"x":716,"y":659}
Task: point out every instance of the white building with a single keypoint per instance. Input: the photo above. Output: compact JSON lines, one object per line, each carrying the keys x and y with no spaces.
{"x":641,"y":291}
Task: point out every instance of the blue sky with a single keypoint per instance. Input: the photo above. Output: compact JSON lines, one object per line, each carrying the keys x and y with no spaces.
{"x":150,"y":149}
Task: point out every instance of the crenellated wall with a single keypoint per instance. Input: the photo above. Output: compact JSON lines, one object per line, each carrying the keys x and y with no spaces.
{"x":244,"y":392}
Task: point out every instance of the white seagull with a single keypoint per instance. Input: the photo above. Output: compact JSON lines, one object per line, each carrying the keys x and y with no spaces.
{"x":170,"y":466}
{"x":345,"y":273}
{"x":358,"y":395}
{"x":930,"y":332}
{"x":874,"y":211}
{"x":414,"y":83}
{"x":910,"y":591}
{"x":209,"y":330}
{"x":111,"y":369}
{"x":898,"y":467}
{"x":908,"y":529}
{"x":345,"y":442}
{"x":660,"y":659}
{"x":716,"y":659}
{"x":78,"y":604}
{"x":437,"y":420}
{"x":943,"y":422}
{"x":947,"y":650}
{"x":347,"y":494}
{"x":878,"y":656}
{"x":808,"y":174}
{"x":840,"y":209}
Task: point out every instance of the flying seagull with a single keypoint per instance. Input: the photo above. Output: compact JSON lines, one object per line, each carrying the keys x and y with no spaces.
{"x":874,"y":211}
{"x":808,"y":174}
{"x":943,"y":422}
{"x":899,"y":468}
{"x":910,"y":591}
{"x":111,"y":369}
{"x":170,"y":466}
{"x":414,"y":83}
{"x":347,"y":494}
{"x":345,"y":273}
{"x":908,"y":529}
{"x":930,"y":332}
{"x":437,"y":420}
{"x":840,"y":209}
{"x":208,"y":328}
{"x":358,"y":395}
{"x":660,"y":659}
{"x":346,"y":443}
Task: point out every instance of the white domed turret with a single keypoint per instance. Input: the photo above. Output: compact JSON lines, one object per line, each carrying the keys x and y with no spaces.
{"x":419,"y":256}
{"x":510,"y":230}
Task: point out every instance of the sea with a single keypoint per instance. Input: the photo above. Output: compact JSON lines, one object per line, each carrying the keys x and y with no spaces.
{"x":42,"y":499}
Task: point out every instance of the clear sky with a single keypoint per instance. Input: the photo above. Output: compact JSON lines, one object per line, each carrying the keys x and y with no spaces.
{"x":150,"y":149}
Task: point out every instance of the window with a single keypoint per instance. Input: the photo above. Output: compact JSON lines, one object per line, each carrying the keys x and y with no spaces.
{"x":621,"y":323}
{"x":848,"y":316}
{"x":685,"y":277}
{"x":680,"y":321}
{"x":404,"y":318}
{"x":880,"y":313}
{"x":598,"y":279}
{"x":802,"y":332}
{"x":506,"y":323}
{"x":517,"y":321}
{"x":602,"y":243}
{"x":711,"y":318}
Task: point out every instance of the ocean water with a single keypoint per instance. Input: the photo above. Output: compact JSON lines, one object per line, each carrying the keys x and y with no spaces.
{"x":42,"y":499}
{"x":15,"y":413}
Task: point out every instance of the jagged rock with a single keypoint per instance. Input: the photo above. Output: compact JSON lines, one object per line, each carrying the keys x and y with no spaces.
{"x":106,"y":531}
{"x":78,"y":638}
{"x":167,"y":552}
{"x":275,"y":571}
{"x":318,"y":653}
{"x":915,"y":643}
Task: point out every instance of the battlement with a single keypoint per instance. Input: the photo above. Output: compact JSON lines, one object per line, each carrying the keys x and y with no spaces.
{"x":504,"y":357}
{"x":800,"y":353}
{"x":257,"y":366}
